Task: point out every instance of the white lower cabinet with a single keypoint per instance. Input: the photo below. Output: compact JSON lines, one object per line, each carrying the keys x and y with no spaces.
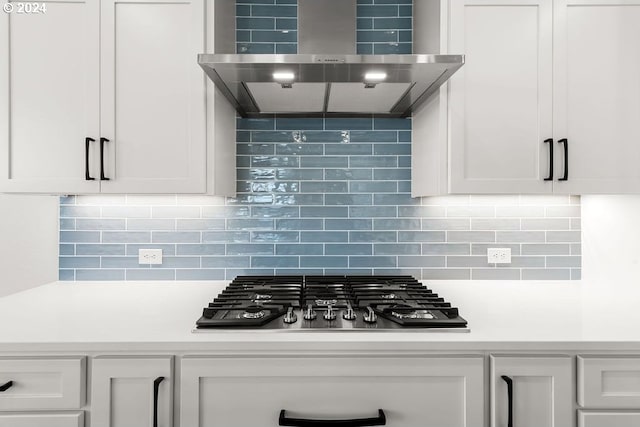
{"x":608,"y":419}
{"x":541,"y":391}
{"x":610,"y":385}
{"x":609,"y":382}
{"x":34,"y":383}
{"x":71,"y":419}
{"x":253,"y":391}
{"x":39,"y":384}
{"x":132,"y":391}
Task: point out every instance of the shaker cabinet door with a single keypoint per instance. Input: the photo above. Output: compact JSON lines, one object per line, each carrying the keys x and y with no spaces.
{"x":597,"y":95}
{"x":49,"y":98}
{"x":127,"y":392}
{"x":411,"y":391}
{"x":153,"y":96}
{"x":501,"y":100}
{"x":533,"y":391}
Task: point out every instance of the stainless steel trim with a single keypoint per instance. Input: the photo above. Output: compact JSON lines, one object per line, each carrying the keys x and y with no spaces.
{"x":195,"y":330}
{"x":327,"y":93}
{"x":215,"y":58}
{"x":327,"y":26}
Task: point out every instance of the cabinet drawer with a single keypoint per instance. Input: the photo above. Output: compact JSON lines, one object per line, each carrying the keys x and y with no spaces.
{"x":55,"y":383}
{"x":412,"y":391}
{"x":609,"y":382}
{"x":42,"y":419}
{"x":608,"y":419}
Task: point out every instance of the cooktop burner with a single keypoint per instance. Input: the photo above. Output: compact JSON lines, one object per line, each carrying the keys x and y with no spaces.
{"x":307,"y":303}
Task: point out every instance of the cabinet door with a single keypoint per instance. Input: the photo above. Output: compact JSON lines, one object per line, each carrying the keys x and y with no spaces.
{"x":597,"y":94}
{"x":123,"y":392}
{"x":61,"y":419}
{"x":501,"y":99}
{"x":543,"y":394}
{"x":608,"y":419}
{"x":153,"y":96}
{"x":49,"y":97}
{"x":412,"y":391}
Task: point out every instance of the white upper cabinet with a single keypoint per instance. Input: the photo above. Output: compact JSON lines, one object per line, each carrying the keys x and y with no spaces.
{"x":103,"y":96}
{"x":153,"y":96}
{"x":49,"y":98}
{"x":597,"y":95}
{"x":550,"y":89}
{"x":501,"y":99}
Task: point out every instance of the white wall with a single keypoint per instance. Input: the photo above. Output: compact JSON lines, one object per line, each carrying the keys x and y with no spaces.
{"x":611,"y":240}
{"x":28,"y":241}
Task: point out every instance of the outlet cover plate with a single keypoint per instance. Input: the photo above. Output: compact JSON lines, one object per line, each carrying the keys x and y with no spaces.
{"x":499,"y":255}
{"x":150,"y":256}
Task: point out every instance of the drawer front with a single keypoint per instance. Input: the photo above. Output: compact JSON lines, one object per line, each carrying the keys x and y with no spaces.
{"x":71,"y":419}
{"x":412,"y":391}
{"x":41,"y":384}
{"x":608,"y":419}
{"x":609,"y":382}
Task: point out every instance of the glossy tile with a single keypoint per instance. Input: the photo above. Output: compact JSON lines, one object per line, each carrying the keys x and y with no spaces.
{"x":320,"y":196}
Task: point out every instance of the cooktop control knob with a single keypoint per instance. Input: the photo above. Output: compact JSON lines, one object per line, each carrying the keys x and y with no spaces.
{"x":290,"y":317}
{"x":349,"y":314}
{"x":329,"y":314}
{"x":309,"y":314}
{"x":370,"y":317}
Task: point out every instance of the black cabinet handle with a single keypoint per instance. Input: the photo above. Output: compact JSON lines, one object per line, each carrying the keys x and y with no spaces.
{"x":550,"y":142}
{"x":87,"y":142}
{"x":509,"y":382}
{"x":380,"y":420}
{"x":156,"y":387}
{"x":102,"y":177}
{"x":6,"y":386}
{"x":565,"y":142}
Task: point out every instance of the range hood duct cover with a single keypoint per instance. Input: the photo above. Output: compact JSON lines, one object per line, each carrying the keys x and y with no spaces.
{"x":328,"y":79}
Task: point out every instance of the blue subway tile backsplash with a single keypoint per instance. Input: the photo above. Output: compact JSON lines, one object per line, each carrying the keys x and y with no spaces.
{"x":320,"y":196}
{"x":384,"y":27}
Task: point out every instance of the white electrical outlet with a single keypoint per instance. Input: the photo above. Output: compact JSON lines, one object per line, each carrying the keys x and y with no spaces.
{"x":499,"y":255}
{"x":149,"y":256}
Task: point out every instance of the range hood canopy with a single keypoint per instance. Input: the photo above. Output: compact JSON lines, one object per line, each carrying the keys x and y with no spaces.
{"x":326,"y":79}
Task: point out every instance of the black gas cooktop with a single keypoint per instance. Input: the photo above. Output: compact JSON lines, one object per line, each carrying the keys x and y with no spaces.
{"x":308,"y":303}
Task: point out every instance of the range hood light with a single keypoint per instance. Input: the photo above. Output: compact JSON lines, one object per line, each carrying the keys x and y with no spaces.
{"x":283,"y":76}
{"x":374,"y":77}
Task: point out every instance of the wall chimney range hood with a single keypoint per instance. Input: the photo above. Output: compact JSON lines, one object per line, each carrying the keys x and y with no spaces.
{"x":327,"y":78}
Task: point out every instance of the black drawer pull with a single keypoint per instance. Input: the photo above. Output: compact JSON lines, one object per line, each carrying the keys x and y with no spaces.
{"x":87,"y":142}
{"x":156,"y":389}
{"x":6,"y":386}
{"x":380,"y":420}
{"x":509,"y":382}
{"x":102,"y":177}
{"x":565,"y":142}
{"x":550,"y":142}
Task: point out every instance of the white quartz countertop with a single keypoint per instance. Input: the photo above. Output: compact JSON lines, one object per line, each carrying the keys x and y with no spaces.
{"x":142,"y":316}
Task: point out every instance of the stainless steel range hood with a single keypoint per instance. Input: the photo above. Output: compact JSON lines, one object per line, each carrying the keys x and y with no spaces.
{"x":327,"y":78}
